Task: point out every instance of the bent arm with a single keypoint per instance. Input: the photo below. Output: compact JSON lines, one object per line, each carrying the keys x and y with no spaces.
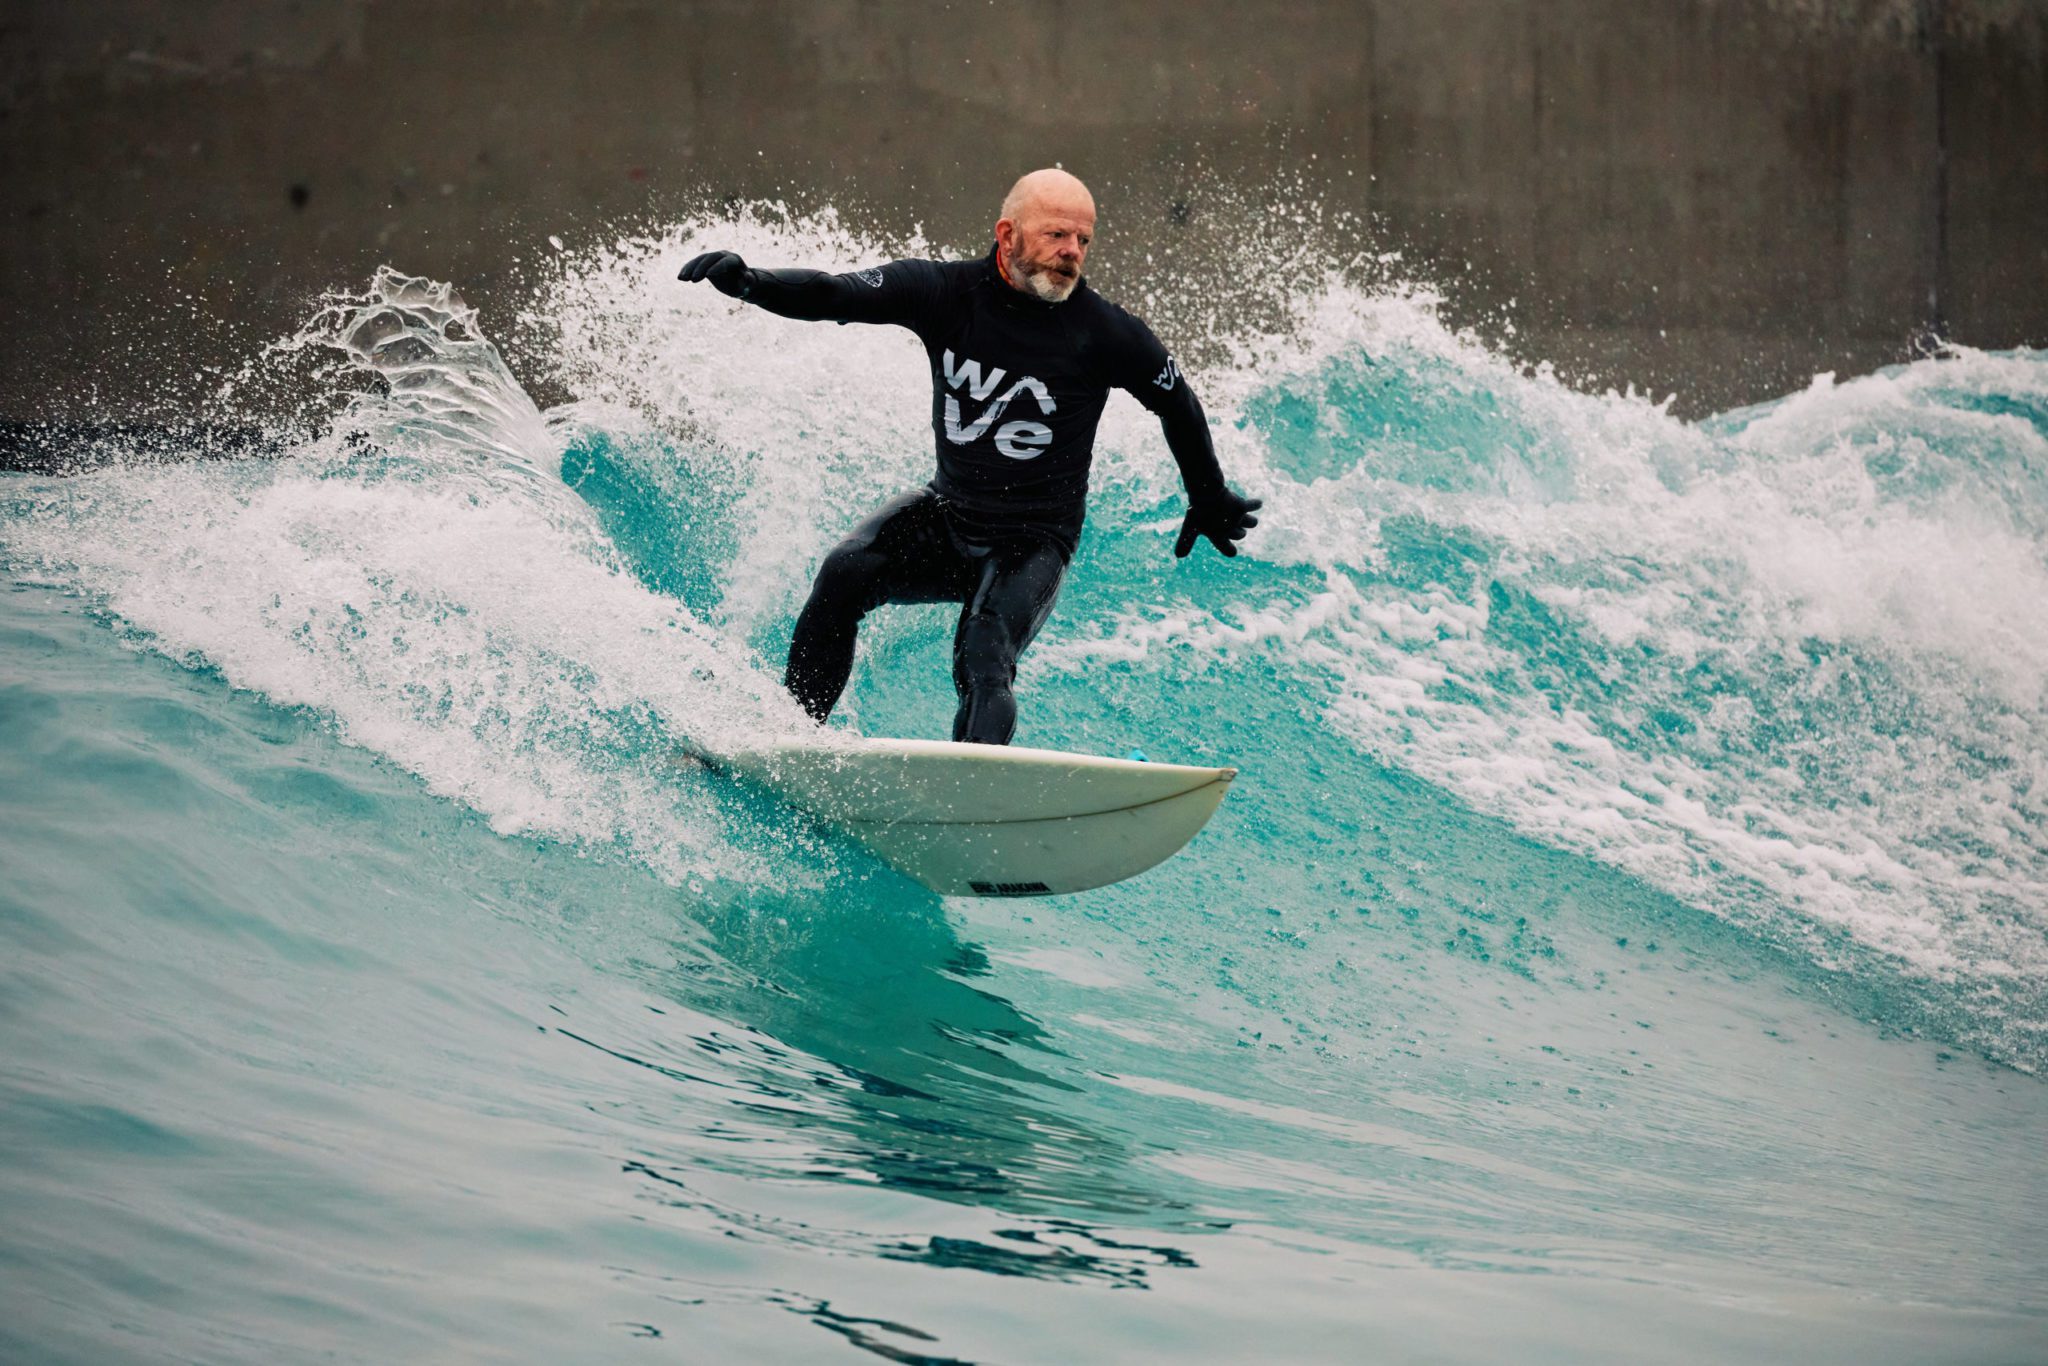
{"x":1187,"y":436}
{"x":1215,"y":511}
{"x":1141,"y":367}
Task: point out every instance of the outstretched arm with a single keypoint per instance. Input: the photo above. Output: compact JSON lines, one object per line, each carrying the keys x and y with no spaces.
{"x":896,"y":293}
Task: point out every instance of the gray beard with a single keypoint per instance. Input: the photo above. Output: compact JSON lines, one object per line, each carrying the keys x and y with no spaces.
{"x":1040,"y":283}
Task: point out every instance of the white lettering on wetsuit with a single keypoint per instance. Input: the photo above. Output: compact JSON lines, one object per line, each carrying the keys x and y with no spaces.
{"x":1020,"y":440}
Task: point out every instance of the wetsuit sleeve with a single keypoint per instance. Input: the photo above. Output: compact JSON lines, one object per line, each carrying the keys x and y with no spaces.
{"x":1140,"y":365}
{"x":901,"y":292}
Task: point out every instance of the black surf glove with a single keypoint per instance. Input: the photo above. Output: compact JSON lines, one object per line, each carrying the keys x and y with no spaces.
{"x":1224,"y":517}
{"x":725,"y":270}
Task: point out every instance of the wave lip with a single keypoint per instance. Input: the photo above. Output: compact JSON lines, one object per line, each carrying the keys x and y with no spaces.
{"x":1787,"y":664}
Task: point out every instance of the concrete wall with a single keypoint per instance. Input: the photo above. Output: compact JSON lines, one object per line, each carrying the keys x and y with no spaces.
{"x":1713,"y":197}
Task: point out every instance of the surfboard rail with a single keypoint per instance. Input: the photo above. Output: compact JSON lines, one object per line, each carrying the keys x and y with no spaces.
{"x":991,"y":820}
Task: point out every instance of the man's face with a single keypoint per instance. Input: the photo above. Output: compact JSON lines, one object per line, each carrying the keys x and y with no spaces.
{"x":1045,"y":245}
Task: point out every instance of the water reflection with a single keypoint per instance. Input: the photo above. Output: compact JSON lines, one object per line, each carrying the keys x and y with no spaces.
{"x":853,"y":1024}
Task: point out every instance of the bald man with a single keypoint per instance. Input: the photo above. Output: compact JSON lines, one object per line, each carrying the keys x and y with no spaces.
{"x":1023,"y":356}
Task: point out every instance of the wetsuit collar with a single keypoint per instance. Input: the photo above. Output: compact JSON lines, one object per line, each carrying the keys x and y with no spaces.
{"x":1024,"y":297}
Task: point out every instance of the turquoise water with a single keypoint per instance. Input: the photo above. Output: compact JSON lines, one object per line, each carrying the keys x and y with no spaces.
{"x":1628,"y":939}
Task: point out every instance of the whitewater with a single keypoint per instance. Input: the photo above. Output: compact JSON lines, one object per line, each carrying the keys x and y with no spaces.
{"x":1627,"y":940}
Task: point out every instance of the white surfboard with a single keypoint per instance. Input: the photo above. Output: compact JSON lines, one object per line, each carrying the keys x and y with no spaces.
{"x":992,"y":820}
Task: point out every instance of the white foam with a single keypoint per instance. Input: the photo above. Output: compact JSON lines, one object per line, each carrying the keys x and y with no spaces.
{"x":422,"y":577}
{"x":1792,"y":667}
{"x":810,"y":425}
{"x":1763,"y":551}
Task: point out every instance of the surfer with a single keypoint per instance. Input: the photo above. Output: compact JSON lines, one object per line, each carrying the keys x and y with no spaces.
{"x":1023,"y":356}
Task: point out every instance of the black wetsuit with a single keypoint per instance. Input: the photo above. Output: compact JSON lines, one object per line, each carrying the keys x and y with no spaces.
{"x":1018,"y":386}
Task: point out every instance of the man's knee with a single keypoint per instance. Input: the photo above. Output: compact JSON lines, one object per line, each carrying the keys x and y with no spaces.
{"x":845,"y":584}
{"x":984,"y":654}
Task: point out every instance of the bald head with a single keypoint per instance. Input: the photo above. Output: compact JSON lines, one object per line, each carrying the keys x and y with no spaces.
{"x":1050,"y":188}
{"x":1042,"y":238}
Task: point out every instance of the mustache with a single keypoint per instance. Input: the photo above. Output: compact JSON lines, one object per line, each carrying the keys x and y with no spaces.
{"x":1058,"y":268}
{"x":1051,"y":281}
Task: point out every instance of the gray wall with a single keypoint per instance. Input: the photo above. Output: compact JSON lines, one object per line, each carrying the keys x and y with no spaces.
{"x":1713,"y":197}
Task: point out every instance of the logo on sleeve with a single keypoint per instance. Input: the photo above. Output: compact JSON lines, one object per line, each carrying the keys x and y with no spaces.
{"x":1166,"y":378}
{"x":871,"y":277}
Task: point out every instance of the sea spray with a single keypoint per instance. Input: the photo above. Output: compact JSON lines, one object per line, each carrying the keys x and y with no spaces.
{"x":1785,"y":664}
{"x":373,"y":974}
{"x":418,"y":572}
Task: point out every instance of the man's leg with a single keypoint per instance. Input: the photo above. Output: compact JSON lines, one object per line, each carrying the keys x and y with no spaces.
{"x":1010,"y":603}
{"x":900,"y":554}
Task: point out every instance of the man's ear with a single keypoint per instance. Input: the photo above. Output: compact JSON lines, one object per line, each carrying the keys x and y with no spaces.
{"x":1006,"y":234}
